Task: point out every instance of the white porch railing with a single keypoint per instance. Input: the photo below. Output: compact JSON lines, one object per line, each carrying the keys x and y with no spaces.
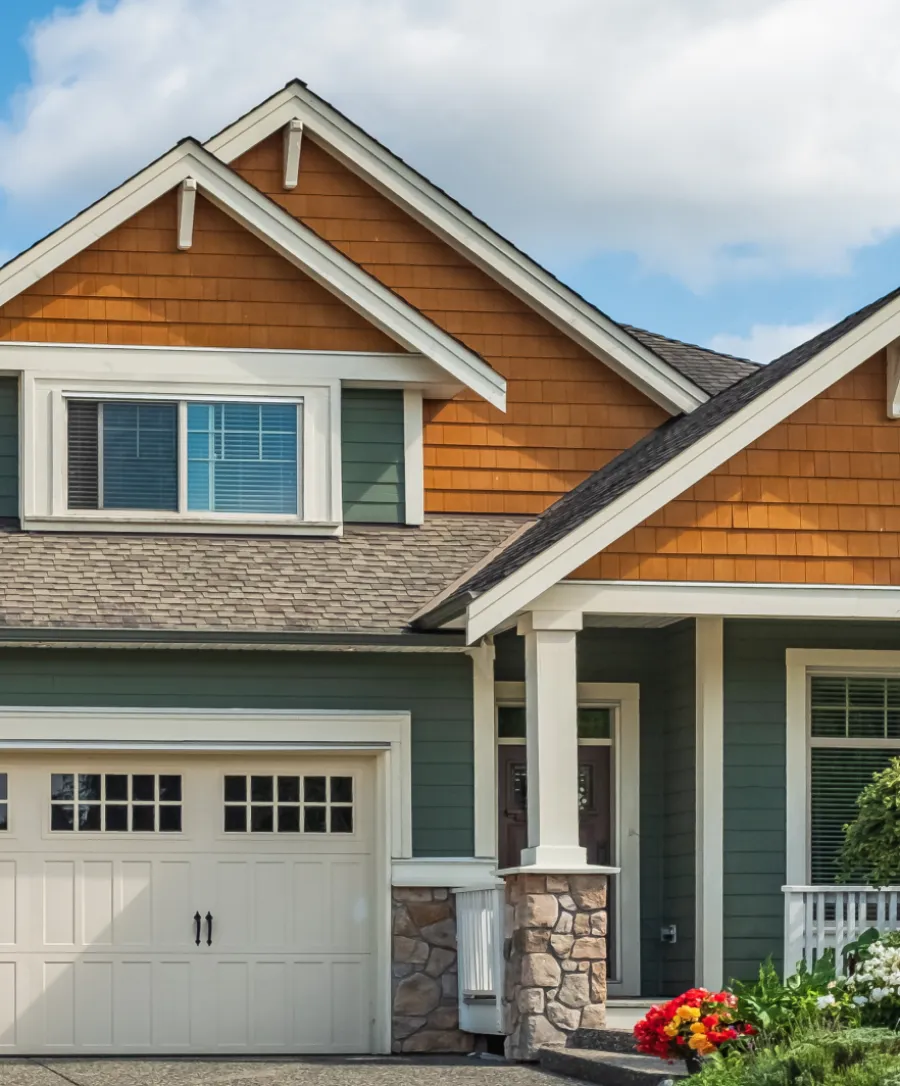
{"x":480,"y":922}
{"x":820,"y":918}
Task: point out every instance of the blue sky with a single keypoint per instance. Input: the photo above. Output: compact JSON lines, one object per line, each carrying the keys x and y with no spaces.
{"x":722,"y":171}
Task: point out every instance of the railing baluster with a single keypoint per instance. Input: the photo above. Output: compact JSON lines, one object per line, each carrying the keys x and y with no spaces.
{"x":810,"y":929}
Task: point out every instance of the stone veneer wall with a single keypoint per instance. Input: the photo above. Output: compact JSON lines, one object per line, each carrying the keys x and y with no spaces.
{"x":556,"y":960}
{"x":424,"y":982}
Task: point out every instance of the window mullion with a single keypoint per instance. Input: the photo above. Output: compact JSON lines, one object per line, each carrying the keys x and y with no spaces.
{"x":181,"y":465}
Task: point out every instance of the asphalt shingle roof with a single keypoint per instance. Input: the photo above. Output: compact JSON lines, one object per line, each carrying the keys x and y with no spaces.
{"x":372,"y":580}
{"x":647,"y":456}
{"x":710,"y":370}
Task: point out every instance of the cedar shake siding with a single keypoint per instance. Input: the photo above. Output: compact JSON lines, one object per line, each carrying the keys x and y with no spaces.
{"x":567,"y":415}
{"x":230,"y":289}
{"x":816,"y":500}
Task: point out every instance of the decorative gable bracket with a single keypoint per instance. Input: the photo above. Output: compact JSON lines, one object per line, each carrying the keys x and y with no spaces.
{"x":187,"y":201}
{"x":293,"y":136}
{"x":893,"y":379}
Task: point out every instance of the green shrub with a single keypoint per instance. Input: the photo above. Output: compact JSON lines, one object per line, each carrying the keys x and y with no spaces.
{"x":805,"y":1001}
{"x":871,"y":847}
{"x":854,"y":1057}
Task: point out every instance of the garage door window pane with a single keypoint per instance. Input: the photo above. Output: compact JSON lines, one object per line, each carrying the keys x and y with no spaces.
{"x":115,"y":803}
{"x":288,"y":804}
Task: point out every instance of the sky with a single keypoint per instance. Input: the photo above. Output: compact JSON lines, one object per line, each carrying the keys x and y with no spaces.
{"x":726,"y":172}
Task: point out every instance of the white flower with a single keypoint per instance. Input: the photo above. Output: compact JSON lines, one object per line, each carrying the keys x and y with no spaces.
{"x":860,"y":1001}
{"x":824,"y":1001}
{"x":878,"y":994}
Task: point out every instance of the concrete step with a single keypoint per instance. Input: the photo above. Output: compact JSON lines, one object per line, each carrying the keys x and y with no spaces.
{"x":610,"y":1068}
{"x":606,"y":1040}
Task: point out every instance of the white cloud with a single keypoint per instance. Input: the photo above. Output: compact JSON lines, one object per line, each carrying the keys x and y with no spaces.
{"x":766,"y":342}
{"x":715,"y":138}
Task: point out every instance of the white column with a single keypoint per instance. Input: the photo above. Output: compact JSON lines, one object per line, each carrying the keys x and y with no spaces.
{"x":485,"y":750}
{"x":710,"y":802}
{"x":551,"y":731}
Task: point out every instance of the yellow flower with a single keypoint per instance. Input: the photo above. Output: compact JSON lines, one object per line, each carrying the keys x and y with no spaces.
{"x":699,"y":1043}
{"x":698,"y":1027}
{"x":687,"y":1014}
{"x":672,"y":1029}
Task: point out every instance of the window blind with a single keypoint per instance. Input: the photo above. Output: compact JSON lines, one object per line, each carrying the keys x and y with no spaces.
{"x":140,"y":456}
{"x":845,"y":708}
{"x":84,"y":451}
{"x":838,"y":776}
{"x":242,"y":458}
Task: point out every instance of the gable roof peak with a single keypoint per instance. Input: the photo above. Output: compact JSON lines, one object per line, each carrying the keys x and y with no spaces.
{"x":582,"y":322}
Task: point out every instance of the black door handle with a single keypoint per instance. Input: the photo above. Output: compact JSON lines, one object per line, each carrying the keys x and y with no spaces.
{"x":209,"y":920}
{"x":197,"y":928}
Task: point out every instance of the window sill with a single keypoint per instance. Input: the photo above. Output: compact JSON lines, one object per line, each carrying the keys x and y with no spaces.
{"x":167,"y":524}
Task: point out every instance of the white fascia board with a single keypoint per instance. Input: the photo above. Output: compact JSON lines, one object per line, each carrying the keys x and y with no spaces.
{"x":689,"y":467}
{"x":499,"y":259}
{"x":728,"y":599}
{"x":282,"y":233}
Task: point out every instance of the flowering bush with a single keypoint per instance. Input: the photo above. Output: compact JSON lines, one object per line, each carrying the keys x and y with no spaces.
{"x":875,"y":984}
{"x":697,"y":1023}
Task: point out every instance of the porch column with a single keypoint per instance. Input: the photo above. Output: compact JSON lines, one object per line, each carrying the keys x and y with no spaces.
{"x":710,"y":707}
{"x":551,"y":738}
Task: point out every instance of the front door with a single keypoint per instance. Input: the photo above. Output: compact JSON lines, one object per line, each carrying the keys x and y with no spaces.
{"x":594,"y":821}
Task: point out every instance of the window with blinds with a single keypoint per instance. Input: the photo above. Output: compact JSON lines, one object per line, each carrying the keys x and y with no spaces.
{"x":122,"y":455}
{"x":241,"y":457}
{"x":854,"y":733}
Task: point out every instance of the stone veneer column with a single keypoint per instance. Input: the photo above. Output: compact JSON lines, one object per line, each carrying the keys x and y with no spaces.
{"x":556,"y":959}
{"x":424,"y":982}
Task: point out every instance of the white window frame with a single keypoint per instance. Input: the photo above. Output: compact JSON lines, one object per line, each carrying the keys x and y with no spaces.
{"x":801,"y":665}
{"x":44,"y":449}
{"x":624,"y":700}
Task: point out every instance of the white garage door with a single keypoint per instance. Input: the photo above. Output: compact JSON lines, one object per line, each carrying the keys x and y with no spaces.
{"x":191,"y":905}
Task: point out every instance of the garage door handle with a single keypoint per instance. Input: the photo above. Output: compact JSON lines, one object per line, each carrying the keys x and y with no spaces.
{"x":209,"y":919}
{"x":197,"y":927}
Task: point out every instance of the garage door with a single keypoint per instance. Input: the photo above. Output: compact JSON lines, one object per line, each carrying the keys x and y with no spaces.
{"x":190,"y":905}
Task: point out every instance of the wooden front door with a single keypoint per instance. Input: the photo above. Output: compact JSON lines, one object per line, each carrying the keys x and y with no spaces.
{"x":594,"y":803}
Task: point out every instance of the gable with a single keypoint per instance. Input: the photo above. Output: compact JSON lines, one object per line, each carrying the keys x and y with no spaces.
{"x":814,"y":500}
{"x":567,"y":413}
{"x":133,"y":286}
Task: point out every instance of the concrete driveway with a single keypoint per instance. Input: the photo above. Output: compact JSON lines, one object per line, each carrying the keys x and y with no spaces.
{"x":348,"y":1072}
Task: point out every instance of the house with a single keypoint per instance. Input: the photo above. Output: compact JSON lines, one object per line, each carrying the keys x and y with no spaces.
{"x":348,"y":559}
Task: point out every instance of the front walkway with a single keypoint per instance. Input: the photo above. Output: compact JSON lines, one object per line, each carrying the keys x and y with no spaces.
{"x":335,"y":1072}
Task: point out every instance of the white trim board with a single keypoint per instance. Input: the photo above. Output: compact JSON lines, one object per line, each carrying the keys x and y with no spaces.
{"x":694,"y":463}
{"x":387,"y":735}
{"x":292,"y":240}
{"x":624,"y":698}
{"x":686,"y":600}
{"x":799,"y":665}
{"x":506,"y":264}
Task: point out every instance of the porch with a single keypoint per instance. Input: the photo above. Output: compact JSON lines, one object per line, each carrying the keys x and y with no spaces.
{"x":749,"y":742}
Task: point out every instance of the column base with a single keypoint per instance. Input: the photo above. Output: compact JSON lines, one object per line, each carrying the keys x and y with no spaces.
{"x":559,"y":857}
{"x":556,"y":971}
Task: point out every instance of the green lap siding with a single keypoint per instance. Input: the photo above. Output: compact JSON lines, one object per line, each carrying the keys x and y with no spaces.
{"x":661,"y":663}
{"x":372,"y":454}
{"x":755,"y":787}
{"x":9,"y":447}
{"x":435,"y":688}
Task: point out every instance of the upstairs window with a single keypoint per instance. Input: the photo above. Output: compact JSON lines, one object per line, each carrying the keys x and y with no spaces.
{"x":190,"y":458}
